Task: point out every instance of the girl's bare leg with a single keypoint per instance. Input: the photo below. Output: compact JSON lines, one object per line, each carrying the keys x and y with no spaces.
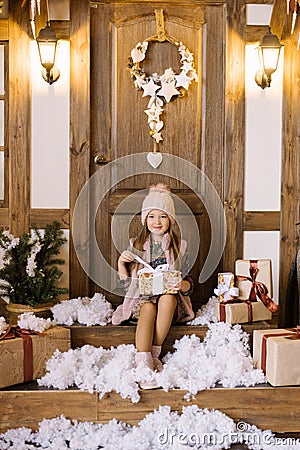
{"x":145,"y":327}
{"x":165,"y":312}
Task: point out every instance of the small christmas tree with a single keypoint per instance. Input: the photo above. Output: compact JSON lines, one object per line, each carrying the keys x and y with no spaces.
{"x":30,"y":271}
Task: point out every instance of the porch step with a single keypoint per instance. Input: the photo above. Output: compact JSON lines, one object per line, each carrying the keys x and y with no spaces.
{"x":111,"y":335}
{"x":266,"y":407}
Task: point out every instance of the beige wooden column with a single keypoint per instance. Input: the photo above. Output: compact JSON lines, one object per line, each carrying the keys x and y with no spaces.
{"x":19,"y":118}
{"x":79,"y":127}
{"x":234,"y":131}
{"x":290,"y":169}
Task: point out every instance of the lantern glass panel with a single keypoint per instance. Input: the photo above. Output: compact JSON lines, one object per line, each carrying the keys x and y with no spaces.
{"x":270,"y":59}
{"x":47,"y":54}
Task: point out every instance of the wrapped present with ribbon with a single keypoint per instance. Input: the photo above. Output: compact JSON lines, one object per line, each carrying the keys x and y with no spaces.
{"x":277,"y":353}
{"x":226,"y":290}
{"x":157,"y":281}
{"x":24,"y":353}
{"x":254,"y":280}
{"x":240,"y":311}
{"x":233,"y":309}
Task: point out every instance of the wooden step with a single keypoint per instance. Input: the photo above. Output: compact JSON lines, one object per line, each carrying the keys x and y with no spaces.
{"x":110,"y":335}
{"x":266,"y":407}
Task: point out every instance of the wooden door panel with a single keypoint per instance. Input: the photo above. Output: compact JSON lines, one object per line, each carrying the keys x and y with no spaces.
{"x":193,"y":125}
{"x":181,"y":135}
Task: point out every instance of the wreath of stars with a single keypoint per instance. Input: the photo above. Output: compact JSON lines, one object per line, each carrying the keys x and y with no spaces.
{"x":161,"y":88}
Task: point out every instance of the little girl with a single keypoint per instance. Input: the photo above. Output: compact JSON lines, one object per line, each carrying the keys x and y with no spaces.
{"x":157,"y":244}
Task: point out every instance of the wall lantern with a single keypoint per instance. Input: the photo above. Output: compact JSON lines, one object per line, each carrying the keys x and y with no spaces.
{"x":47,"y":43}
{"x":268,"y":50}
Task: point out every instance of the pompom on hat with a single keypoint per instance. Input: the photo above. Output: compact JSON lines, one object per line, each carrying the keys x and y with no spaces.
{"x":159,"y":197}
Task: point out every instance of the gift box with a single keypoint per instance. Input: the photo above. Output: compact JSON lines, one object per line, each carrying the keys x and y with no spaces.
{"x":241,"y":312}
{"x":24,"y":358}
{"x":243,"y":275}
{"x":158,"y":282}
{"x":254,"y":281}
{"x":277,"y":353}
{"x":226,"y":289}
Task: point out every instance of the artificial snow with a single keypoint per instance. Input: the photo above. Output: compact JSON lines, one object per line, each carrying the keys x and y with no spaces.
{"x":206,"y":314}
{"x":3,"y":325}
{"x":86,"y":311}
{"x":29,"y":321}
{"x":94,"y":369}
{"x":162,"y":429}
{"x":223,"y":357}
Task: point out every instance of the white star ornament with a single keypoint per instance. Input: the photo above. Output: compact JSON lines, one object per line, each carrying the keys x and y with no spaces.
{"x":183,"y":80}
{"x":150,"y":88}
{"x":168,"y":90}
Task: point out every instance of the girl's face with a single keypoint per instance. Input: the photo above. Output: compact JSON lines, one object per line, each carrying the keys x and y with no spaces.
{"x":158,"y":222}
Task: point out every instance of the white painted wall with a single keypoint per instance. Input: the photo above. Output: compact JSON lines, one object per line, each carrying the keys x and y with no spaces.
{"x":50,"y":132}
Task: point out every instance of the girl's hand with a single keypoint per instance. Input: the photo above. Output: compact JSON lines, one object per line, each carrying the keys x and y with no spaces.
{"x":126,"y":257}
{"x":175,"y":283}
{"x":181,"y":285}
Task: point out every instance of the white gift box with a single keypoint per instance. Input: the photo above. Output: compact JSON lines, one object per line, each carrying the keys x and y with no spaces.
{"x":226,"y":290}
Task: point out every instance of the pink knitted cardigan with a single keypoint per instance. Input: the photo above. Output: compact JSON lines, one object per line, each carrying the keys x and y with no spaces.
{"x":124,"y":311}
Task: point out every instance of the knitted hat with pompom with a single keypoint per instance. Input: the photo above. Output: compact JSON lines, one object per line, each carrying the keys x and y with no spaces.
{"x":159,"y":197}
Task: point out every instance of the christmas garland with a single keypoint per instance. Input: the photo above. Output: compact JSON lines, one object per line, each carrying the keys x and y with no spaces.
{"x":161,"y":88}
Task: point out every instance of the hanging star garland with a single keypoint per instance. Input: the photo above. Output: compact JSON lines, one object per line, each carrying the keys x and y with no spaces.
{"x":161,"y":88}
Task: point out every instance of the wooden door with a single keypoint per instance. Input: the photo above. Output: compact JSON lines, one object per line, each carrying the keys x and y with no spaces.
{"x":193,"y":125}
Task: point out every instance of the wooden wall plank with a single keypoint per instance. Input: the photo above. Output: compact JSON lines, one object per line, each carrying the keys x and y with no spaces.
{"x":61,"y":28}
{"x":5,"y":202}
{"x":259,"y":2}
{"x":3,"y":29}
{"x":41,"y":217}
{"x":290,"y":170}
{"x":261,"y":220}
{"x":234,"y":131}
{"x":278,"y":18}
{"x":79,"y":128}
{"x":155,"y":3}
{"x":254,"y":33}
{"x":4,"y":217}
{"x":20,"y":118}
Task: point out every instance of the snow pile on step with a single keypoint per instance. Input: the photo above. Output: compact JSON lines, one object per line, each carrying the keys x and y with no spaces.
{"x":86,"y":311}
{"x":206,"y":314}
{"x":161,"y":429}
{"x":29,"y":321}
{"x":94,"y":369}
{"x":223,"y":357}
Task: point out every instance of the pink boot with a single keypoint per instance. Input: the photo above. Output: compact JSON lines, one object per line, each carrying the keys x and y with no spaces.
{"x":144,"y":363}
{"x":155,"y":352}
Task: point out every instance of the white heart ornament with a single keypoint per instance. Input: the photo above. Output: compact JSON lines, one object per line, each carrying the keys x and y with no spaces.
{"x":154,"y":159}
{"x":137,"y":56}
